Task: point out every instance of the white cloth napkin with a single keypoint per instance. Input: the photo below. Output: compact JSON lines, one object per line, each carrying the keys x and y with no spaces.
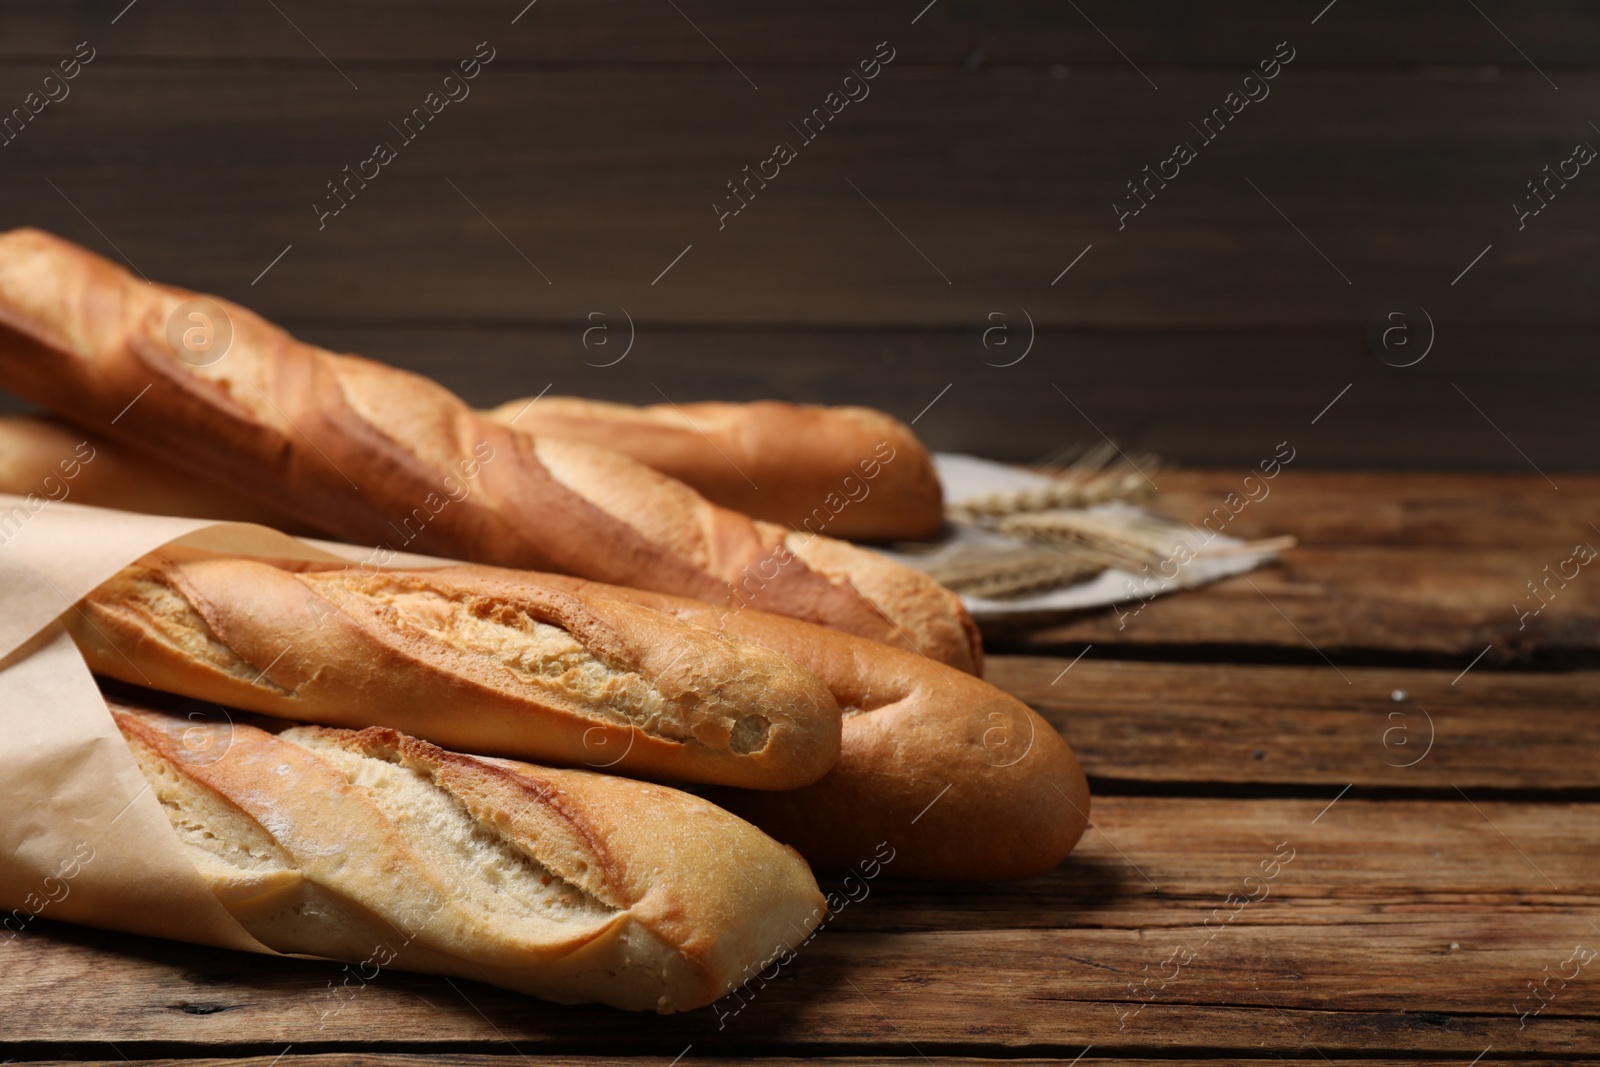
{"x":967,"y":477}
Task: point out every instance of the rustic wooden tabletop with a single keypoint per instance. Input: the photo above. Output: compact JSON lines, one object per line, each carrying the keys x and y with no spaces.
{"x":1345,"y":808}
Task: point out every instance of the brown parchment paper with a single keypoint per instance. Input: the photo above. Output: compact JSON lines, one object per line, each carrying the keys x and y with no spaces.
{"x":82,"y":838}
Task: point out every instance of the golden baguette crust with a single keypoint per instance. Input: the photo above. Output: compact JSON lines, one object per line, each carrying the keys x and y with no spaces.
{"x":845,"y":471}
{"x":929,"y":619}
{"x":468,"y":660}
{"x":58,"y":462}
{"x":779,"y":571}
{"x":378,"y":849}
{"x":963,"y":780}
{"x":381,"y":456}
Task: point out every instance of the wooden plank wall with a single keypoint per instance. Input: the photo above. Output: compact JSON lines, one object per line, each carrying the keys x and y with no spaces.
{"x":1218,"y":321}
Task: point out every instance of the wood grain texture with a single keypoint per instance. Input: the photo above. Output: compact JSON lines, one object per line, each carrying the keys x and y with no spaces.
{"x":1164,"y":863}
{"x":1421,"y":902}
{"x":994,"y":146}
{"x":1216,"y":399}
{"x":954,"y":967}
{"x":1197,"y":400}
{"x":449,"y":1059}
{"x":1017,"y":31}
{"x":1140,"y":722}
{"x":619,"y":171}
{"x":1286,"y":986}
{"x":1451,"y":513}
{"x":1393,"y":570}
{"x":1352,"y":602}
{"x":1344,"y":603}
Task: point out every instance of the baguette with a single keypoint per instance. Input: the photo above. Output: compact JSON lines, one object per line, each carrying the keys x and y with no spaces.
{"x":467,"y":660}
{"x":966,"y":782}
{"x":848,"y":472}
{"x":382,"y":850}
{"x":378,"y":455}
{"x":55,"y":461}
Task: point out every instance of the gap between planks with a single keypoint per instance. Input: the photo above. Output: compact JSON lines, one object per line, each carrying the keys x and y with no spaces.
{"x":1154,"y":723}
{"x":1453,"y":986}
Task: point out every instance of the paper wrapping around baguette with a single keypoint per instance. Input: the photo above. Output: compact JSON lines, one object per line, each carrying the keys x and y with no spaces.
{"x":469,"y":660}
{"x":898,"y":605}
{"x":82,"y":838}
{"x":381,"y":456}
{"x":378,"y":849}
{"x":963,"y":780}
{"x":845,"y":471}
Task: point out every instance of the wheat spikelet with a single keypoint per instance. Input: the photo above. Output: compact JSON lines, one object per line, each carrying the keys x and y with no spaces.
{"x":1060,"y":543}
{"x":1096,"y":476}
{"x":1000,"y":573}
{"x":1128,"y":543}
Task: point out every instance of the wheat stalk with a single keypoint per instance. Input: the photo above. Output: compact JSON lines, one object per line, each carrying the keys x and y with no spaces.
{"x":1001,"y":573}
{"x":1095,"y":476}
{"x":1130,"y":542}
{"x":1066,"y":545}
{"x":1126,"y":543}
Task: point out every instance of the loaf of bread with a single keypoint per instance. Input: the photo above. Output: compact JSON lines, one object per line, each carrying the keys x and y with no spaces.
{"x":466,"y":659}
{"x":388,"y":458}
{"x":55,"y":461}
{"x":844,"y":471}
{"x":384,"y":851}
{"x":964,"y":781}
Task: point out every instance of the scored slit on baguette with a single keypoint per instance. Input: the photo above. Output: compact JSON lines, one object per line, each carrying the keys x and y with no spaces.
{"x":380,"y":850}
{"x":468,"y":660}
{"x":845,"y":471}
{"x":963,"y":780}
{"x":384,"y":457}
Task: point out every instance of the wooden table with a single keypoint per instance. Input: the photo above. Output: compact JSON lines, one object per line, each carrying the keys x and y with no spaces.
{"x":1345,"y":808}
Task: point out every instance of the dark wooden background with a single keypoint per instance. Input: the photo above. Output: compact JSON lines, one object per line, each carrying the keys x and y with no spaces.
{"x":195,"y":143}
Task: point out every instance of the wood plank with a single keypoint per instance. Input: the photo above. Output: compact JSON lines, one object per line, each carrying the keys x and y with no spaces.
{"x":472,"y":1059}
{"x":1452,"y":917}
{"x":1207,"y":723}
{"x":1224,"y":398}
{"x":1169,"y":31}
{"x":1431,"y":565}
{"x":1442,"y":510}
{"x":203,"y":176}
{"x":1227,"y":398}
{"x":1286,"y":987}
{"x":1164,"y":863}
{"x":1346,"y":603}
